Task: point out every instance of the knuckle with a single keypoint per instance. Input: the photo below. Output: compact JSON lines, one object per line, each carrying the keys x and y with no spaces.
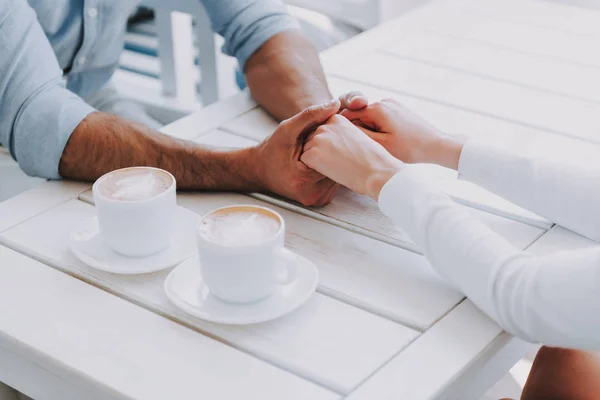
{"x":285,"y":124}
{"x":336,"y":119}
{"x":309,"y":198}
{"x":328,"y":138}
{"x":304,"y":201}
{"x":322,"y":140}
{"x":321,"y":130}
{"x":379,"y":106}
{"x":298,"y":185}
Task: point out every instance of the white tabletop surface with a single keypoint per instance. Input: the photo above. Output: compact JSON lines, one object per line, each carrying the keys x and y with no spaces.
{"x":382,"y":324}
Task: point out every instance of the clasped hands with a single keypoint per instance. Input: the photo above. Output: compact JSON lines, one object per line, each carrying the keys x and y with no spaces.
{"x":351,"y":143}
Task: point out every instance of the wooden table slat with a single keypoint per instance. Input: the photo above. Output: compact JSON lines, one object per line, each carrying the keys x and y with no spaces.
{"x":529,"y":107}
{"x":498,"y":63}
{"x":211,"y":117}
{"x":466,"y":19}
{"x":57,"y":328}
{"x":37,"y":200}
{"x":542,"y":13}
{"x":459,"y":338}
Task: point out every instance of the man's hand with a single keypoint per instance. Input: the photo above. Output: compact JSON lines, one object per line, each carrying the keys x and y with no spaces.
{"x":103,"y":143}
{"x":342,"y":152}
{"x":278,"y":166}
{"x":405,"y":135}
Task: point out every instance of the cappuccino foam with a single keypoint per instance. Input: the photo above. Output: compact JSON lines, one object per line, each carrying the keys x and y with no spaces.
{"x":239,"y":226}
{"x":134,"y":184}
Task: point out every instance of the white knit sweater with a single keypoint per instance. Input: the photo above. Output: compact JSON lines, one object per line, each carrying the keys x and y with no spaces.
{"x":554,"y":300}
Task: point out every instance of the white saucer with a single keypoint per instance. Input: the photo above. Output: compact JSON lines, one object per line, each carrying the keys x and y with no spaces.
{"x":186,"y":289}
{"x":88,"y":246}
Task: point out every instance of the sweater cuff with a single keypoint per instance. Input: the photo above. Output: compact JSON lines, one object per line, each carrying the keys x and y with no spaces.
{"x":399,"y":193}
{"x":481,"y":163}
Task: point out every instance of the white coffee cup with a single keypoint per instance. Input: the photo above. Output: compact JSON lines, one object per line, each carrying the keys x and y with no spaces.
{"x":136,"y":210}
{"x":239,"y":268}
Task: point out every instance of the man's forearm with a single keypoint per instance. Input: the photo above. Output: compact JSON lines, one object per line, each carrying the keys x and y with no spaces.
{"x":103,"y":142}
{"x":285,"y":75}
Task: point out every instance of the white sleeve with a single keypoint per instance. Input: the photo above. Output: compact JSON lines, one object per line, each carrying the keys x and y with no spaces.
{"x":554,"y":300}
{"x":566,"y":194}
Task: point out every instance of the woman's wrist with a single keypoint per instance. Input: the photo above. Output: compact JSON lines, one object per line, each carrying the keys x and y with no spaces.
{"x":380,"y":175}
{"x":446,"y":151}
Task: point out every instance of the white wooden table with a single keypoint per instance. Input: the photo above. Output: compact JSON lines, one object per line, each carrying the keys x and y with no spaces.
{"x":382,"y":325}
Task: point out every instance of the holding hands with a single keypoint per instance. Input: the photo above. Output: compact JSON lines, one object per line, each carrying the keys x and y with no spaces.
{"x":275,"y":164}
{"x":362,"y":149}
{"x":406,"y":135}
{"x":351,"y":143}
{"x":339,"y":150}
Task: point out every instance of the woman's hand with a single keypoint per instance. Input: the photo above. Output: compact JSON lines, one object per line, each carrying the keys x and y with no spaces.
{"x":405,"y":135}
{"x":342,"y":152}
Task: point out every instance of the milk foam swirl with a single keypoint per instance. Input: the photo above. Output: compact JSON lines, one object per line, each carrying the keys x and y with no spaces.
{"x":239,"y":228}
{"x":134,"y":184}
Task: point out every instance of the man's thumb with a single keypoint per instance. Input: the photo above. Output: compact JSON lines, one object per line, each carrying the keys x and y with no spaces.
{"x":314,"y":115}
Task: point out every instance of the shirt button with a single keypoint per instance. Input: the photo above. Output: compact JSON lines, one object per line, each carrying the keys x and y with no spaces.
{"x":92,"y":12}
{"x":81,"y":60}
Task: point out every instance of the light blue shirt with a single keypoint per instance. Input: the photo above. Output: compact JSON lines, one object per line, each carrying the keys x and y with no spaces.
{"x":42,"y":40}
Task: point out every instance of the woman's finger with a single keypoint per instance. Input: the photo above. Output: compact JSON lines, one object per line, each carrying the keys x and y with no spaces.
{"x":372,"y":134}
{"x":353,"y":100}
{"x":366,"y":118}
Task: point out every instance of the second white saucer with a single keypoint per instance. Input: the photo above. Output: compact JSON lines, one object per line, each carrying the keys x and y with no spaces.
{"x":185,"y":288}
{"x":87,"y":244}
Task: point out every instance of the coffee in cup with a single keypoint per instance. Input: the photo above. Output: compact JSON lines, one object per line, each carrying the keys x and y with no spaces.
{"x":136,"y":210}
{"x":242,"y":254}
{"x":238,"y":226}
{"x":132,"y":184}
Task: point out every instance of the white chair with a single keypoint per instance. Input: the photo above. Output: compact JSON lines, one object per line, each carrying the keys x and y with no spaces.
{"x":175,"y":40}
{"x":172,"y":85}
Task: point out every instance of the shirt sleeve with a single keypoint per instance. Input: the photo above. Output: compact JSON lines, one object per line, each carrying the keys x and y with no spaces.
{"x":552,"y":299}
{"x":563,"y":192}
{"x":37,"y":113}
{"x":247,"y":24}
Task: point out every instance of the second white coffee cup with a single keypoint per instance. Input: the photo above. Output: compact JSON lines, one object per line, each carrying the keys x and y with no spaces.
{"x":242,"y":253}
